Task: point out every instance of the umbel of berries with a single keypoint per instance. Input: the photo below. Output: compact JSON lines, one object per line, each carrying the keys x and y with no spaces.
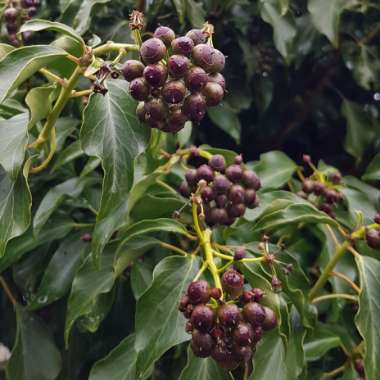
{"x":182,"y":74}
{"x":226,"y":190}
{"x":228,"y":332}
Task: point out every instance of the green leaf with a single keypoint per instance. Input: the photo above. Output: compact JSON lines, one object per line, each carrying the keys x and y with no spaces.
{"x":69,"y":154}
{"x":40,"y":102}
{"x":226,"y":119}
{"x":119,"y":364}
{"x":274,"y":169}
{"x":13,"y":141}
{"x":373,"y":170}
{"x":269,"y":359}
{"x":361,"y":129}
{"x":141,"y":278}
{"x":37,"y":25}
{"x":180,"y":6}
{"x":159,"y":325}
{"x":55,"y":230}
{"x":60,"y":272}
{"x":55,"y":196}
{"x":284,"y":6}
{"x":88,"y":286}
{"x":15,"y":205}
{"x":195,"y":13}
{"x":284,"y":30}
{"x":202,"y":369}
{"x":367,"y":319}
{"x":326,"y":17}
{"x":22,"y":63}
{"x":5,"y":49}
{"x":33,"y":345}
{"x":111,"y":132}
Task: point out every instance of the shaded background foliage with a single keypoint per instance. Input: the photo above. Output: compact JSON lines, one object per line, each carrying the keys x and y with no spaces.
{"x":303,"y":77}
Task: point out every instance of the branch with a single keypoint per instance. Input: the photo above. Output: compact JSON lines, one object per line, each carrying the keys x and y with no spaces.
{"x":7,"y":291}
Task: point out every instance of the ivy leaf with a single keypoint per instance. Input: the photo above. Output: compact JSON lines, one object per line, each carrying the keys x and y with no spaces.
{"x":69,"y":154}
{"x":112,"y":132}
{"x":226,"y":119}
{"x":284,"y":30}
{"x":141,"y":278}
{"x":13,"y":141}
{"x":119,"y":364}
{"x":326,"y":17}
{"x":274,"y":169}
{"x":33,"y":345}
{"x":195,"y":13}
{"x":55,"y":196}
{"x":5,"y":49}
{"x":37,"y":25}
{"x":202,"y":369}
{"x":269,"y":359}
{"x":361,"y":129}
{"x":22,"y":63}
{"x":373,"y":170}
{"x":60,"y":271}
{"x":159,"y":325}
{"x":367,"y":319}
{"x":88,"y":286}
{"x":180,"y":6}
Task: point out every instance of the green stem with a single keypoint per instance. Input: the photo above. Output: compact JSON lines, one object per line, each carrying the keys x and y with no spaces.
{"x":340,"y":250}
{"x":113,"y":46}
{"x":345,"y":296}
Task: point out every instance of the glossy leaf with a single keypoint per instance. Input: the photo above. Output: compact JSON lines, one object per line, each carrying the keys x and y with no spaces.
{"x":141,"y":278}
{"x":33,"y":345}
{"x":159,"y":325}
{"x":111,"y":132}
{"x":202,"y":369}
{"x":38,"y":25}
{"x":119,"y":364}
{"x":274,"y":169}
{"x":373,"y":170}
{"x":22,"y":63}
{"x":367,"y":319}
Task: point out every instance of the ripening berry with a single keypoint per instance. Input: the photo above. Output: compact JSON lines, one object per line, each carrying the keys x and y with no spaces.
{"x":220,"y":352}
{"x":331,"y":196}
{"x":182,"y":45}
{"x":215,"y":293}
{"x":213,"y":93}
{"x":234,"y":173}
{"x":376,"y":218}
{"x":221,"y":200}
{"x":12,"y":28}
{"x":155,"y":74}
{"x":184,"y":189}
{"x":240,"y":253}
{"x":258,"y":333}
{"x":207,"y":194}
{"x":203,"y":318}
{"x":196,"y":78}
{"x":219,"y":79}
{"x":270,"y":320}
{"x":236,"y":210}
{"x":194,"y":107}
{"x":243,"y":334}
{"x":175,"y":121}
{"x":178,"y":65}
{"x":335,"y":178}
{"x":308,"y":186}
{"x":165,"y":34}
{"x":156,"y":109}
{"x":183,"y":302}
{"x":32,"y":11}
{"x":276,"y":284}
{"x":201,"y":344}
{"x":318,"y":188}
{"x":372,"y":237}
{"x":191,"y":176}
{"x":174,"y":92}
{"x":236,"y":194}
{"x":11,"y":14}
{"x":221,"y":184}
{"x":132,"y":69}
{"x":229,"y":315}
{"x":202,"y":56}
{"x":242,"y":353}
{"x":205,"y":172}
{"x":251,"y":180}
{"x":139,"y":89}
{"x":140,"y":111}
{"x":258,"y":294}
{"x":197,"y":36}
{"x":254,"y":313}
{"x":218,"y":61}
{"x":217,"y":216}
{"x":152,"y":50}
{"x":189,"y":310}
{"x":199,"y":292}
{"x":233,"y":283}
{"x":250,"y":198}
{"x":325,"y":207}
{"x":217,"y":162}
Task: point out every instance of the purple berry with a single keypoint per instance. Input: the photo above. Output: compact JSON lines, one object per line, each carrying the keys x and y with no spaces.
{"x":207,"y":194}
{"x":197,"y":36}
{"x":236,"y":210}
{"x":202,"y":56}
{"x":203,"y":318}
{"x":156,"y":109}
{"x":152,"y":50}
{"x":178,"y":65}
{"x":155,"y":74}
{"x":216,"y":216}
{"x":254,"y":313}
{"x":165,"y":34}
{"x":174,"y":92}
{"x":234,"y":173}
{"x":191,"y":177}
{"x":11,"y":14}
{"x":236,"y":194}
{"x":175,"y":121}
{"x":240,"y":253}
{"x":184,"y":189}
{"x":132,"y":69}
{"x":195,"y":79}
{"x":198,"y":292}
{"x":270,"y":320}
{"x":221,"y":184}
{"x":217,"y":162}
{"x":221,"y":200}
{"x":205,"y":172}
{"x":229,"y":315}
{"x":373,"y":238}
{"x":217,"y":78}
{"x":308,"y":186}
{"x":243,"y":334}
{"x":182,"y":45}
{"x":201,"y":344}
{"x":250,"y":198}
{"x":318,"y":188}
{"x":233,"y":283}
{"x":195,"y":107}
{"x":251,"y":180}
{"x":242,"y":353}
{"x":139,"y":89}
{"x":213,"y":93}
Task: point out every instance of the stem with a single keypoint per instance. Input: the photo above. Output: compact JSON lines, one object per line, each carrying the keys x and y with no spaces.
{"x":334,"y":296}
{"x":224,"y":267}
{"x":173,"y":248}
{"x":199,"y":274}
{"x":7,"y":291}
{"x":335,"y":372}
{"x":77,"y":94}
{"x":51,"y":76}
{"x":253,"y":260}
{"x":225,"y":257}
{"x":113,"y":46}
{"x":340,"y":250}
{"x":45,"y":163}
{"x":346,"y":279}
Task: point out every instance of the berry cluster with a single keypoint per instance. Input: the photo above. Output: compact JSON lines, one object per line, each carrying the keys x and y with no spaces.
{"x":226,"y":191}
{"x":228,"y":332}
{"x":14,"y":16}
{"x":177,"y":79}
{"x":372,"y":236}
{"x":325,"y":194}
